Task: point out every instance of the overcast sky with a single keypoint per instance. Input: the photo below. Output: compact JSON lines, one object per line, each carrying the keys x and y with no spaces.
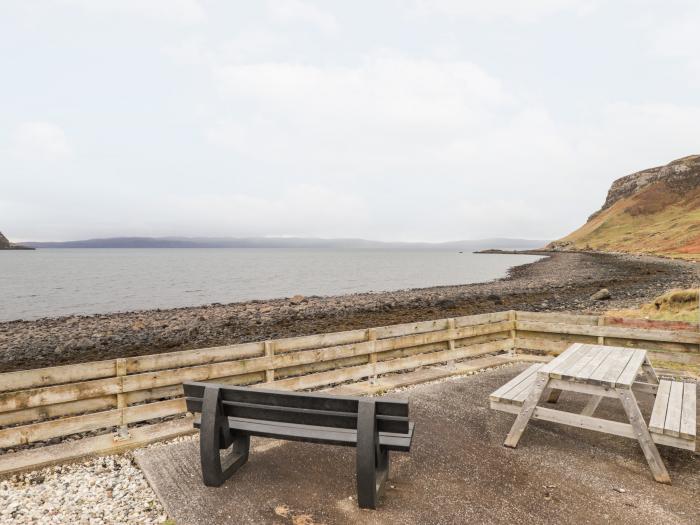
{"x":393,"y":120}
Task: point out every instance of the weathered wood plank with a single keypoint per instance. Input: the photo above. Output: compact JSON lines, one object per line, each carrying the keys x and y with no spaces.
{"x":58,"y":394}
{"x":593,"y":423}
{"x":656,"y":464}
{"x":672,"y":424}
{"x":502,"y":392}
{"x":40,"y":377}
{"x":630,"y":372}
{"x":609,"y":371}
{"x":689,"y":412}
{"x":186,"y":358}
{"x":589,"y":368}
{"x":103,"y":444}
{"x":610,"y":331}
{"x":658,"y":413}
{"x":549,"y":317}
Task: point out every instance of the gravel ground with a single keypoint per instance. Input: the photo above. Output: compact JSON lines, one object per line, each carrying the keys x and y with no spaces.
{"x":106,"y":490}
{"x":560,"y":282}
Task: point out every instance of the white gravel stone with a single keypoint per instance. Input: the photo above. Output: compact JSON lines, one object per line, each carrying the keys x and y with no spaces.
{"x":106,"y":490}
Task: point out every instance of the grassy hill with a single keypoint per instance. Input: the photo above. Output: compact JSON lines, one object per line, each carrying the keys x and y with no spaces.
{"x":655,"y":211}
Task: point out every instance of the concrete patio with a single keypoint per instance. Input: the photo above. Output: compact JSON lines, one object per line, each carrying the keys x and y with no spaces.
{"x":457,"y":472}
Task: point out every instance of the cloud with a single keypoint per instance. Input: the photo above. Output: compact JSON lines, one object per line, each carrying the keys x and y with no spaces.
{"x":181,"y":11}
{"x":518,"y":10}
{"x":298,"y":210}
{"x":289,"y":11}
{"x":40,"y":140}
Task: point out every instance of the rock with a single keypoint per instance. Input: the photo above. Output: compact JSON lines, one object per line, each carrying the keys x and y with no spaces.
{"x":601,"y":295}
{"x":298,"y":299}
{"x":446,"y":303}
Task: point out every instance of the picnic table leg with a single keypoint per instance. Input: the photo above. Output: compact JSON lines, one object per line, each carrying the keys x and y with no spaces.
{"x":527,"y":410}
{"x":650,"y":372}
{"x":656,"y":464}
{"x":552,"y":395}
{"x":591,"y":406}
{"x":215,"y":435}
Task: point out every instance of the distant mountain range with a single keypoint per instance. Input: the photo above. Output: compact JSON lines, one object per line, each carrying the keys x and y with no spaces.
{"x":654,"y":211}
{"x":291,"y":242}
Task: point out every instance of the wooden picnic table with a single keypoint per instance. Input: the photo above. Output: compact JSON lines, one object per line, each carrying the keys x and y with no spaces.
{"x":605,"y":371}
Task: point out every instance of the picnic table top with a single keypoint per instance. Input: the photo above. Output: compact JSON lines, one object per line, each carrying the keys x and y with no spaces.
{"x":612,"y":366}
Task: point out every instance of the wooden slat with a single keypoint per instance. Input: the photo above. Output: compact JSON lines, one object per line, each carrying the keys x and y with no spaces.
{"x":672,"y":425}
{"x":589,"y":368}
{"x":502,"y":392}
{"x":572,"y":357}
{"x":593,"y":423}
{"x":561,"y":358}
{"x":629,"y":374}
{"x":658,"y":413}
{"x":11,"y":437}
{"x":103,"y":444}
{"x":548,"y":317}
{"x":611,"y":331}
{"x":471,"y":320}
{"x":58,"y":394}
{"x":192,"y":357}
{"x":609,"y":371}
{"x":689,"y":412}
{"x":40,"y":377}
{"x":573,"y":371}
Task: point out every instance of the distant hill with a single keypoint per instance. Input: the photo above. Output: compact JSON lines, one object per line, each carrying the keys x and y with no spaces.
{"x":289,"y":242}
{"x":655,"y":211}
{"x":5,"y":244}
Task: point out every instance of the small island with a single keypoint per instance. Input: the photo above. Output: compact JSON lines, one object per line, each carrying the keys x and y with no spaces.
{"x":5,"y":244}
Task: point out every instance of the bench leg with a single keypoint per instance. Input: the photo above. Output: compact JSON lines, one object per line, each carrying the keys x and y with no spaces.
{"x":372,"y":460}
{"x":656,"y":464}
{"x":527,"y":410}
{"x":214,"y":436}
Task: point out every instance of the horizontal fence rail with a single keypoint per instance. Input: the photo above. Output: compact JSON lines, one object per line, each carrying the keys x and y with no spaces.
{"x":120,"y":396}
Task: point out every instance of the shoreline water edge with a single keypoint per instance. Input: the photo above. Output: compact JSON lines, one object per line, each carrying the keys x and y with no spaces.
{"x":558,"y":282}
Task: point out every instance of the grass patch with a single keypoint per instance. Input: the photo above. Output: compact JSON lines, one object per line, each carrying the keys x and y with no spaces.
{"x":674,"y":305}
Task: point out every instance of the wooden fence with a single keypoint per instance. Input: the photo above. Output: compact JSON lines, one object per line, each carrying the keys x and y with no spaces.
{"x":128,"y":398}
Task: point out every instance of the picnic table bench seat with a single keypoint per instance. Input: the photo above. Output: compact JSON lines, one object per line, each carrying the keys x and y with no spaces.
{"x":231,"y":414}
{"x":515,"y":391}
{"x":674,"y":410}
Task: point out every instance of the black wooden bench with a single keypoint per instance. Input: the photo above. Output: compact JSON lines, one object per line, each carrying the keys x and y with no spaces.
{"x":230,"y":415}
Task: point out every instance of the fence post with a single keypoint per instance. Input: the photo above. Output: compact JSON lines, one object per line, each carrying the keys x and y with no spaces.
{"x":513,"y":318}
{"x":372,"y":360}
{"x":269,"y":352}
{"x":123,"y":431}
{"x":601,"y":322}
{"x":451,"y":342}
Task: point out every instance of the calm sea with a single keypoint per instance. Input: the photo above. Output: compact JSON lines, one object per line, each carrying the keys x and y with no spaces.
{"x":55,"y":282}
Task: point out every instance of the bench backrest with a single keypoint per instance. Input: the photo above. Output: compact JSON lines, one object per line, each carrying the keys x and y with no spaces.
{"x":298,"y":407}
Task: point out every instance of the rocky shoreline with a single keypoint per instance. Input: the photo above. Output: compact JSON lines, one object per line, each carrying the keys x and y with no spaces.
{"x":559,"y":282}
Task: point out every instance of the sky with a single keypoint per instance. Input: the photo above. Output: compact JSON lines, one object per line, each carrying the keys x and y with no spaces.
{"x":383,"y":119}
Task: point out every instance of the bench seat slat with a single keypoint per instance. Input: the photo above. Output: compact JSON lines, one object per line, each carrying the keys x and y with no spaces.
{"x":515,"y":385}
{"x":658,"y":413}
{"x":315,"y":434}
{"x":688,"y":425}
{"x":672,"y":425}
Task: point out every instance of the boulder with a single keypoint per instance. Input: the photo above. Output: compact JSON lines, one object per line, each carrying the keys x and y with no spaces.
{"x":601,"y":295}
